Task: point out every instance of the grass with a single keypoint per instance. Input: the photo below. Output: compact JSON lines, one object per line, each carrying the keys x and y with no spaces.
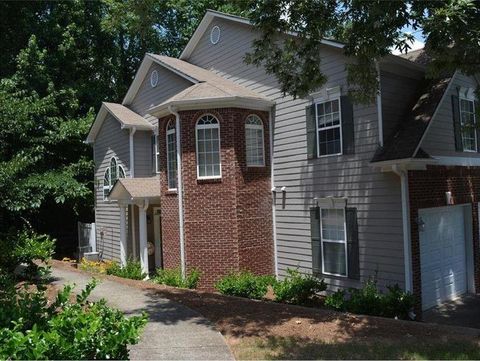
{"x":280,"y":348}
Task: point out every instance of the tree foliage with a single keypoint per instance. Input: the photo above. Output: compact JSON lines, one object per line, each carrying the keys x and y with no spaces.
{"x":369,"y":31}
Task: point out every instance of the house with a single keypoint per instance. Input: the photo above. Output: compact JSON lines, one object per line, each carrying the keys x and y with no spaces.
{"x":207,"y":165}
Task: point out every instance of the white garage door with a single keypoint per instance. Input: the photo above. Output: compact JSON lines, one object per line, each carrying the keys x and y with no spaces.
{"x":442,"y":255}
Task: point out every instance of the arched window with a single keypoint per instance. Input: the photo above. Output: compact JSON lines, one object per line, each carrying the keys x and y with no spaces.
{"x":208,"y":147}
{"x":112,"y":173}
{"x":171,"y":155}
{"x":254,"y":141}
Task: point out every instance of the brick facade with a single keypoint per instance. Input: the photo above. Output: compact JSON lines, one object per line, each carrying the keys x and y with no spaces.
{"x":227,"y":221}
{"x":427,"y":190}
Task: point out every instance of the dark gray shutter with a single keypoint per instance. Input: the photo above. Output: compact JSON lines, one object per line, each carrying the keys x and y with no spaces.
{"x":352,"y":243}
{"x":457,"y":127}
{"x":315,"y":234}
{"x":311,"y":132}
{"x":348,"y":136}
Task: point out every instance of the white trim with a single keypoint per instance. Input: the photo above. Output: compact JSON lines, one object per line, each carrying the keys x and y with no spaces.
{"x":468,"y":98}
{"x":379,"y":107}
{"x":142,"y":225}
{"x":209,"y":126}
{"x":134,"y":231}
{"x":212,"y":40}
{"x":434,"y":114}
{"x":271,"y":115}
{"x":334,"y":241}
{"x":459,"y":161}
{"x":157,"y":234}
{"x":123,"y":235}
{"x":323,"y":101}
{"x":170,"y":132}
{"x":211,"y":14}
{"x":255,"y":127}
{"x":154,"y":78}
{"x":132,"y":152}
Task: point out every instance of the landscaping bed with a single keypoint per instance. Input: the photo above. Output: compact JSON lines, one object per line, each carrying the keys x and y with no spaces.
{"x":269,"y":330}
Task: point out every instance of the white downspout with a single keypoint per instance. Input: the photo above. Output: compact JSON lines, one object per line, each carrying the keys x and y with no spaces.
{"x":406,"y":226}
{"x":274,"y":193}
{"x":379,"y":107}
{"x":179,"y":187}
{"x":132,"y":153}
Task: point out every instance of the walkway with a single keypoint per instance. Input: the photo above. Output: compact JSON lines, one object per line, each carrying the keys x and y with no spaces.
{"x":464,"y":311}
{"x":173,"y":331}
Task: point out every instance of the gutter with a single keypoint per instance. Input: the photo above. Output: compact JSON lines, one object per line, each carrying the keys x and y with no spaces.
{"x":403,"y":174}
{"x":173,"y":111}
{"x":132,"y":152}
{"x":274,"y":193}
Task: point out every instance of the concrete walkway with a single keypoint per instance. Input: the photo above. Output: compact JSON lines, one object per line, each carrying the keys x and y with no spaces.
{"x":174,"y":332}
{"x":464,"y":311}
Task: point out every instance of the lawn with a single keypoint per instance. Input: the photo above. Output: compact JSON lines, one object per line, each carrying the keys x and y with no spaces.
{"x":268,"y":330}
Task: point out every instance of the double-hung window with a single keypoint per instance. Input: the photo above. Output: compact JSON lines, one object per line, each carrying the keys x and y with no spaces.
{"x":254,"y":141}
{"x":334,"y":241}
{"x":468,"y":125}
{"x":113,"y":172}
{"x":208,"y":148}
{"x":329,"y":127}
{"x":155,"y":154}
{"x":171,"y":155}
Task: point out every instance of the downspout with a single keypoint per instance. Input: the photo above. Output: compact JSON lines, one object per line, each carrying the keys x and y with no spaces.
{"x":132,"y":154}
{"x":379,"y":107}
{"x":179,"y":187}
{"x":406,"y":225}
{"x":274,"y":193}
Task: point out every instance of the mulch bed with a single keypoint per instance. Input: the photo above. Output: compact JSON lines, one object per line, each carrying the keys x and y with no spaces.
{"x":238,"y":317}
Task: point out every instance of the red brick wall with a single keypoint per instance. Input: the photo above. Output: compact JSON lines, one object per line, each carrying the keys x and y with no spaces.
{"x":228,"y":221}
{"x":426,"y":190}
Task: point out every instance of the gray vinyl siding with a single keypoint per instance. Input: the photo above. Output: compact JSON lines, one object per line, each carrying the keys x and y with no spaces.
{"x":376,"y":195}
{"x":440,"y":138}
{"x":398,"y":95}
{"x":143,"y":154}
{"x":111,"y":142}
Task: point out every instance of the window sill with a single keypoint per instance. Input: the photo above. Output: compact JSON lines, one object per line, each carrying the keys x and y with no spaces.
{"x":209,"y":180}
{"x":171,"y":192}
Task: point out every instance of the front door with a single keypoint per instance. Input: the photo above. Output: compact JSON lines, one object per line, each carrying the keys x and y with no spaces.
{"x":157,"y":230}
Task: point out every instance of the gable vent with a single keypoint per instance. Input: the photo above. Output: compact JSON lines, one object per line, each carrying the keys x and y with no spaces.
{"x":154,"y":78}
{"x":215,"y":35}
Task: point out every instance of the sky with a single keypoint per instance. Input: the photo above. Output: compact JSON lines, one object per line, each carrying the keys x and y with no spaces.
{"x":419,"y":41}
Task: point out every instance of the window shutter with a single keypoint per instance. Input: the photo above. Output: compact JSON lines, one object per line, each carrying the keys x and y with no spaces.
{"x":457,"y":127}
{"x":348,"y":136}
{"x":316,"y":245}
{"x":352,"y":243}
{"x":311,"y":132}
{"x":477,"y":128}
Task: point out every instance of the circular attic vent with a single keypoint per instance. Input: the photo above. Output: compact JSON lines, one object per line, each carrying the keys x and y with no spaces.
{"x":154,"y":78}
{"x":215,"y":35}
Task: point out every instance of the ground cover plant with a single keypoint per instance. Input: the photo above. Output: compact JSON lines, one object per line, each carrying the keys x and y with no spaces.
{"x":173,"y":277}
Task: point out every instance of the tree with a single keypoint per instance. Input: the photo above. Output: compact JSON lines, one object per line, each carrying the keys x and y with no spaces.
{"x":369,"y":31}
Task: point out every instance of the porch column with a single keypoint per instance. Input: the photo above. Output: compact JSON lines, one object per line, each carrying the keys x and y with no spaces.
{"x":142,"y":224}
{"x":123,"y":234}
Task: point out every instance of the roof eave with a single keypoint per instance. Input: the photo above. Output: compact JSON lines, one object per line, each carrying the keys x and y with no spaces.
{"x":403,"y":164}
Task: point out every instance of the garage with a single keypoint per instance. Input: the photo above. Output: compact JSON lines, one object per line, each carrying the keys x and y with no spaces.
{"x":443,"y":257}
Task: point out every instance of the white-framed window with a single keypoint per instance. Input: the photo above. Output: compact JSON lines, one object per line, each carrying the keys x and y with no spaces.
{"x":254,"y":141}
{"x":155,"y":154}
{"x":333,"y":235}
{"x":113,"y":172}
{"x":329,"y":127}
{"x":208,"y":147}
{"x":171,"y":155}
{"x":468,"y":124}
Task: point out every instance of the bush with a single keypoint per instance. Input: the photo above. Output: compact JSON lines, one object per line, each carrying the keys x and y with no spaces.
{"x":95,"y":266}
{"x":173,"y":277}
{"x":297,"y":288}
{"x":67,"y":330}
{"x":368,"y":300}
{"x":244,"y":284}
{"x":132,"y":270}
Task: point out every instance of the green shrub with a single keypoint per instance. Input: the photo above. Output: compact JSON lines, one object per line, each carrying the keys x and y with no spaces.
{"x":368,"y":300}
{"x":244,"y":284}
{"x":297,"y":288}
{"x":132,"y":270}
{"x":173,"y":277}
{"x":67,"y":330}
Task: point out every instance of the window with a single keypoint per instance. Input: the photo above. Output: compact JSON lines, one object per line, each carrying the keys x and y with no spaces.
{"x":329,"y":128}
{"x":334,"y":245}
{"x":468,"y":124}
{"x":254,"y":141}
{"x":171,"y":156}
{"x":112,"y":173}
{"x":155,"y":154}
{"x":208,"y":147}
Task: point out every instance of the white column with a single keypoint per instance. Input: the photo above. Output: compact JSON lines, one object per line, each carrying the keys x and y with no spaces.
{"x":123,"y":234}
{"x":142,"y":224}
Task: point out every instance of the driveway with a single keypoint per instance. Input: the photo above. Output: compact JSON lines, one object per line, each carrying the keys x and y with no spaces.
{"x":173,"y":330}
{"x":464,"y":311}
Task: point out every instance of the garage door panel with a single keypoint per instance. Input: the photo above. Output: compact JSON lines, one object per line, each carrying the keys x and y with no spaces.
{"x":442,"y":253}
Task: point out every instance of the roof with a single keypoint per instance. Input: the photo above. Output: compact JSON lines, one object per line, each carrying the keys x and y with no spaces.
{"x":418,"y":56}
{"x":212,"y":14}
{"x":129,"y":189}
{"x":126,"y":117}
{"x":405,"y":141}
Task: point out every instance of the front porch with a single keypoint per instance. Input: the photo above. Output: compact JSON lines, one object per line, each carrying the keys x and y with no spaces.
{"x":140,"y":221}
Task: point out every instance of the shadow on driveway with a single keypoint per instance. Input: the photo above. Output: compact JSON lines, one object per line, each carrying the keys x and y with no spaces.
{"x":464,"y":312}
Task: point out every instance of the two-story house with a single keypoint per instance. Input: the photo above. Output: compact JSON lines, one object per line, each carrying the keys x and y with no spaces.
{"x":206,"y":164}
